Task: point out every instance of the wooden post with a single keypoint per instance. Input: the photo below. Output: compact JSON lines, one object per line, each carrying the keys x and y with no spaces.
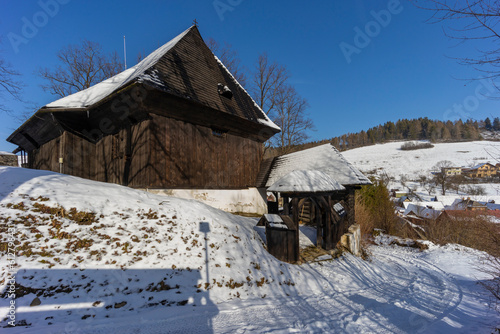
{"x":328,"y":227}
{"x":352,"y":206}
{"x":286,"y":207}
{"x":62,"y":150}
{"x":295,"y":210}
{"x":319,"y":227}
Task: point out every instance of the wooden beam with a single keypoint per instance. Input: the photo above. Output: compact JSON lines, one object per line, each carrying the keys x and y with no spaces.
{"x":286,"y":207}
{"x":328,"y":225}
{"x":295,"y":210}
{"x":319,"y":227}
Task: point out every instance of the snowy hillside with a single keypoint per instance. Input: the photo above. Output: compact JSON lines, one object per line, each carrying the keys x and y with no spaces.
{"x":102,"y":258}
{"x":396,"y":162}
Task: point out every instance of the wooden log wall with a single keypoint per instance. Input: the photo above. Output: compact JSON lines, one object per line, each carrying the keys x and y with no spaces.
{"x":184,"y":155}
{"x":157,"y":153}
{"x":75,"y":153}
{"x":46,"y":157}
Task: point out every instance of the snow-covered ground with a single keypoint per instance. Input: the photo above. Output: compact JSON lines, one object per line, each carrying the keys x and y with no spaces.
{"x":396,"y":162}
{"x":390,"y":160}
{"x":144,"y":263}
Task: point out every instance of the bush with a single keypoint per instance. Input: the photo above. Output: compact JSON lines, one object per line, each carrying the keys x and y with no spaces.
{"x":470,"y":229}
{"x":474,"y":190}
{"x":374,"y":209}
{"x":408,"y":146}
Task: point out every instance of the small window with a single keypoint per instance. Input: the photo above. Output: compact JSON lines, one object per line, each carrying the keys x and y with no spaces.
{"x":219,"y":132}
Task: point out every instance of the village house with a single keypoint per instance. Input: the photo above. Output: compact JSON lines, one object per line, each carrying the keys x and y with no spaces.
{"x":452,"y":171}
{"x":419,"y":211}
{"x":482,"y":170}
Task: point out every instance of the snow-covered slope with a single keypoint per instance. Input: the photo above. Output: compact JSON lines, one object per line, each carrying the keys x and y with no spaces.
{"x":396,"y":162}
{"x":127,"y":261}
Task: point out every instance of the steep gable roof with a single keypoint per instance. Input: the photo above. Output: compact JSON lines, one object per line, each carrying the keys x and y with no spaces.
{"x":325,"y":158}
{"x":182,"y":78}
{"x":184,"y":67}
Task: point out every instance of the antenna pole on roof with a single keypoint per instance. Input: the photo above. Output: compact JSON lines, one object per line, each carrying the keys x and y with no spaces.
{"x":125,"y":51}
{"x":195,"y":23}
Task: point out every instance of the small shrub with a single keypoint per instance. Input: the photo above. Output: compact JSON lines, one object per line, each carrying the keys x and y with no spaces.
{"x":408,"y":146}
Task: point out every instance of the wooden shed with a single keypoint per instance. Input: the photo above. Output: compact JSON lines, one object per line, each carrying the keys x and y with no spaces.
{"x":176,"y":120}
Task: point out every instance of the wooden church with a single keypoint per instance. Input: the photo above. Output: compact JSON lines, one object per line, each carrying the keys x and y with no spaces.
{"x":176,"y":120}
{"x":177,"y":123}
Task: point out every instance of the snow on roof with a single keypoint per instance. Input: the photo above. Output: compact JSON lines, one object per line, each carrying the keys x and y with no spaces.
{"x":457,"y":202}
{"x":479,"y":166}
{"x":6,"y":153}
{"x":266,"y":121}
{"x":430,"y":205}
{"x":447,"y":201}
{"x":324,"y":158}
{"x":306,"y":181}
{"x":103,"y":89}
{"x":422,"y":211}
{"x":273,"y":218}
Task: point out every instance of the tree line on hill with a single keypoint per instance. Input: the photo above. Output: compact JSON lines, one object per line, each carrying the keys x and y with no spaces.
{"x":406,"y":129}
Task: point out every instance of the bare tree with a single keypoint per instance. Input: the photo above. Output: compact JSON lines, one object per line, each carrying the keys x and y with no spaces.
{"x":427,"y":183}
{"x":470,"y":20}
{"x":456,"y":182}
{"x":8,"y":84}
{"x":279,"y":100}
{"x":290,"y":115}
{"x":81,"y":66}
{"x":441,"y":178}
{"x":269,"y":80}
{"x":229,"y":57}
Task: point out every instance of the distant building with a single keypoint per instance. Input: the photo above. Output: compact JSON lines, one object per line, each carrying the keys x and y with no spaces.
{"x":482,"y":170}
{"x":467,"y":204}
{"x":452,"y":171}
{"x":422,"y":211}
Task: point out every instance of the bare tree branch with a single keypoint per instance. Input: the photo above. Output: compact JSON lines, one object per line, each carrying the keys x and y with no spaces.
{"x":468,"y":21}
{"x":291,"y":117}
{"x":81,"y":66}
{"x":229,"y":57}
{"x":268,"y":81}
{"x":8,"y":84}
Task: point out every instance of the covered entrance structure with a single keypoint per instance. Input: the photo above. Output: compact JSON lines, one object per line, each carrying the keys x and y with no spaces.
{"x":317,"y":185}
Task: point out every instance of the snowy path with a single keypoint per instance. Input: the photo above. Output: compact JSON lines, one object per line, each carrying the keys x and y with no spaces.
{"x":399,"y":291}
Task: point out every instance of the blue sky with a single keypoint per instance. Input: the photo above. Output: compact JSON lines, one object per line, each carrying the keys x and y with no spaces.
{"x":405,"y":69}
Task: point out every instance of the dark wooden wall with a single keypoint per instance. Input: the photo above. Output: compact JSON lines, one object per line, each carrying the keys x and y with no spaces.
{"x":157,"y":153}
{"x":76,"y":153}
{"x":187,"y":155}
{"x":46,"y":157}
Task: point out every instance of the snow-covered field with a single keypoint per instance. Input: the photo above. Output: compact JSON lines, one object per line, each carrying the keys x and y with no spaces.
{"x":396,"y":162}
{"x":125,"y":261}
{"x":389,"y":159}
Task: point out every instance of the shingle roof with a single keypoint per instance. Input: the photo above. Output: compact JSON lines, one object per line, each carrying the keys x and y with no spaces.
{"x":306,"y":181}
{"x":184,"y":69}
{"x":98,"y":92}
{"x":325,"y":158}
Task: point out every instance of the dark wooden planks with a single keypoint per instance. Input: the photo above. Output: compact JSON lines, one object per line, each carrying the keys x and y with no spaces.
{"x":157,"y":153}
